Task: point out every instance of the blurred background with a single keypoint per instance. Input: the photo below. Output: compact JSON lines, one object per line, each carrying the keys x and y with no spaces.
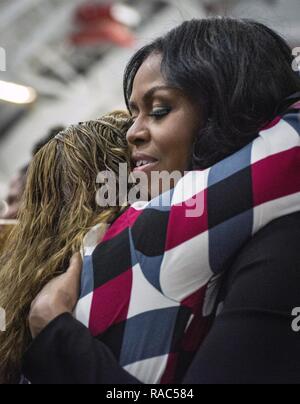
{"x":61,"y":61}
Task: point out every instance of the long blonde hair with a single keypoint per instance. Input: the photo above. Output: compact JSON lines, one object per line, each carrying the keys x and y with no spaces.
{"x":59,"y":208}
{"x":4,"y":235}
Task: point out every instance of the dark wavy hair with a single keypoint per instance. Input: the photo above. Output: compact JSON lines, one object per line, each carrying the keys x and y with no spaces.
{"x":238,"y":70}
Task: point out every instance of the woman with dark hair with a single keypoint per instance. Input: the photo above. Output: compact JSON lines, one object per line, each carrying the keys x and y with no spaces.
{"x":238,"y":72}
{"x":217,"y":96}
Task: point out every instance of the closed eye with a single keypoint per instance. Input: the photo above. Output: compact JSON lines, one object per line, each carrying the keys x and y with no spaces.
{"x":159,"y":113}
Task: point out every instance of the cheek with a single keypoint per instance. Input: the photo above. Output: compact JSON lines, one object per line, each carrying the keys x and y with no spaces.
{"x":175,"y":141}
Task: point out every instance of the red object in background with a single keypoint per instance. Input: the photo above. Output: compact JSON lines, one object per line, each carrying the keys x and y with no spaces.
{"x":90,"y":13}
{"x":106,"y":31}
{"x":97,"y":25}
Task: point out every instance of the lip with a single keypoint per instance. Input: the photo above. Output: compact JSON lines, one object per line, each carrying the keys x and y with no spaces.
{"x":152,"y":162}
{"x":146,"y":168}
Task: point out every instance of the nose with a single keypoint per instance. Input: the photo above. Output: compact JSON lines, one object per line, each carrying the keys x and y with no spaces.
{"x":138,"y":134}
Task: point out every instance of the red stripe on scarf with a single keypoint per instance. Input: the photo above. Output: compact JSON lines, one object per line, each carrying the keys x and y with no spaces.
{"x":110,"y":303}
{"x":122,"y":223}
{"x":182,"y":228}
{"x":276,"y":176}
{"x":272,"y":124}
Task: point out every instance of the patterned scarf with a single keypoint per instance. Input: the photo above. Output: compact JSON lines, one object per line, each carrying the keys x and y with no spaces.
{"x":149,"y":287}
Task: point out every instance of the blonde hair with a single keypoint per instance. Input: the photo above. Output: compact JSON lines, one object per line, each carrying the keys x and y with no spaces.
{"x":4,"y":235}
{"x":59,"y":208}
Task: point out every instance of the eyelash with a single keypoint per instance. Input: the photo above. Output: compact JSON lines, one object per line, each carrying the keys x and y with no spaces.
{"x":157,"y":114}
{"x":160,"y":113}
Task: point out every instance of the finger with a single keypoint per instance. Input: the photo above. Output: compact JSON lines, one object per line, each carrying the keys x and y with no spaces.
{"x":76,"y":258}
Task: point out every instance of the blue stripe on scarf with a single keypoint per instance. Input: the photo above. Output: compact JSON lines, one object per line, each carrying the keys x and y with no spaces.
{"x":224,"y":187}
{"x":87,"y":277}
{"x":140,"y":344}
{"x":230,"y":166}
{"x":294,"y":121}
{"x":150,"y":266}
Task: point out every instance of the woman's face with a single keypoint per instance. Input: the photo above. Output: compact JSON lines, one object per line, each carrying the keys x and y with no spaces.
{"x":166,"y":122}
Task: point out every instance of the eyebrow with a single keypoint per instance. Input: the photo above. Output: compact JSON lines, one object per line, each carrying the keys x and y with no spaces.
{"x":149,"y":94}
